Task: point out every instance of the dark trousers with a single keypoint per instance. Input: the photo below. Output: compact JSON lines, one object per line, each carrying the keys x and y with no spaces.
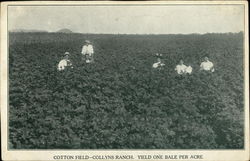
{"x":88,"y":57}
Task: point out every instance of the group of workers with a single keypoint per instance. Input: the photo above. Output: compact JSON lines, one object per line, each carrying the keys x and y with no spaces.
{"x":88,"y":56}
{"x":181,"y":68}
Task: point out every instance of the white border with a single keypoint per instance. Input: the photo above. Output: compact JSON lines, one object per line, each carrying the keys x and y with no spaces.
{"x":49,"y":154}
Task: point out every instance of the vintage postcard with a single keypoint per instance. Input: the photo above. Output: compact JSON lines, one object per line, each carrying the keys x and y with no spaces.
{"x":113,"y":80}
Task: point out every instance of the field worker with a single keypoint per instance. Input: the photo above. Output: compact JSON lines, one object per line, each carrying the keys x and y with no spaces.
{"x":65,"y":62}
{"x":189,"y":69}
{"x":181,"y":68}
{"x":88,"y":52}
{"x":207,"y":65}
{"x":158,"y":64}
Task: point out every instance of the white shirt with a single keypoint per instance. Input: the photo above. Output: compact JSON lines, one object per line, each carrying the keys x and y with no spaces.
{"x":87,"y":49}
{"x":189,"y":70}
{"x":63,"y":63}
{"x":158,"y":64}
{"x":207,"y":66}
{"x":181,"y":69}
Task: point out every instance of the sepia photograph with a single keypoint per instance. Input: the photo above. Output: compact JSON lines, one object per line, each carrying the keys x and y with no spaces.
{"x":124,"y":77}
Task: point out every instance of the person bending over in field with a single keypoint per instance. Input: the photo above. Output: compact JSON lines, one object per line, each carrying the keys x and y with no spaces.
{"x":159,"y":64}
{"x":183,"y":69}
{"x":88,"y":52}
{"x":65,"y":62}
{"x":207,"y":65}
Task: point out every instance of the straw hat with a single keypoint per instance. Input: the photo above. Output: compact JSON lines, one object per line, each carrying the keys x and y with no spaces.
{"x":66,"y":53}
{"x":87,"y":41}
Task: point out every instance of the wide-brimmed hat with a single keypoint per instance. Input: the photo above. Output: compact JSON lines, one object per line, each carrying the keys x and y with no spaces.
{"x":66,"y":53}
{"x":158,"y":54}
{"x":87,"y":41}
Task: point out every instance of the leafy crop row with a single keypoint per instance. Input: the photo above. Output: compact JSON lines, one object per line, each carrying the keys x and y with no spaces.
{"x":120,"y":102}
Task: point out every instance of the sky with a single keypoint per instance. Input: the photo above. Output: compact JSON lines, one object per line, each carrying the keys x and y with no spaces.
{"x":169,"y":19}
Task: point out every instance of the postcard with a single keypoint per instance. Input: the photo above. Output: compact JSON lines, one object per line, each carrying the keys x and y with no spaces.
{"x":134,"y":80}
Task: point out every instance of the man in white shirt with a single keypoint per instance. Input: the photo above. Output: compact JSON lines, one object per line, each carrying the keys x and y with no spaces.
{"x":181,"y":68}
{"x":88,"y":52}
{"x":207,"y":65}
{"x":65,"y":62}
{"x":189,"y":69}
{"x":158,"y":64}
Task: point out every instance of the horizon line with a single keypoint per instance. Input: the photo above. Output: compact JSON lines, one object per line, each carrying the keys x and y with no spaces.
{"x":53,"y":32}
